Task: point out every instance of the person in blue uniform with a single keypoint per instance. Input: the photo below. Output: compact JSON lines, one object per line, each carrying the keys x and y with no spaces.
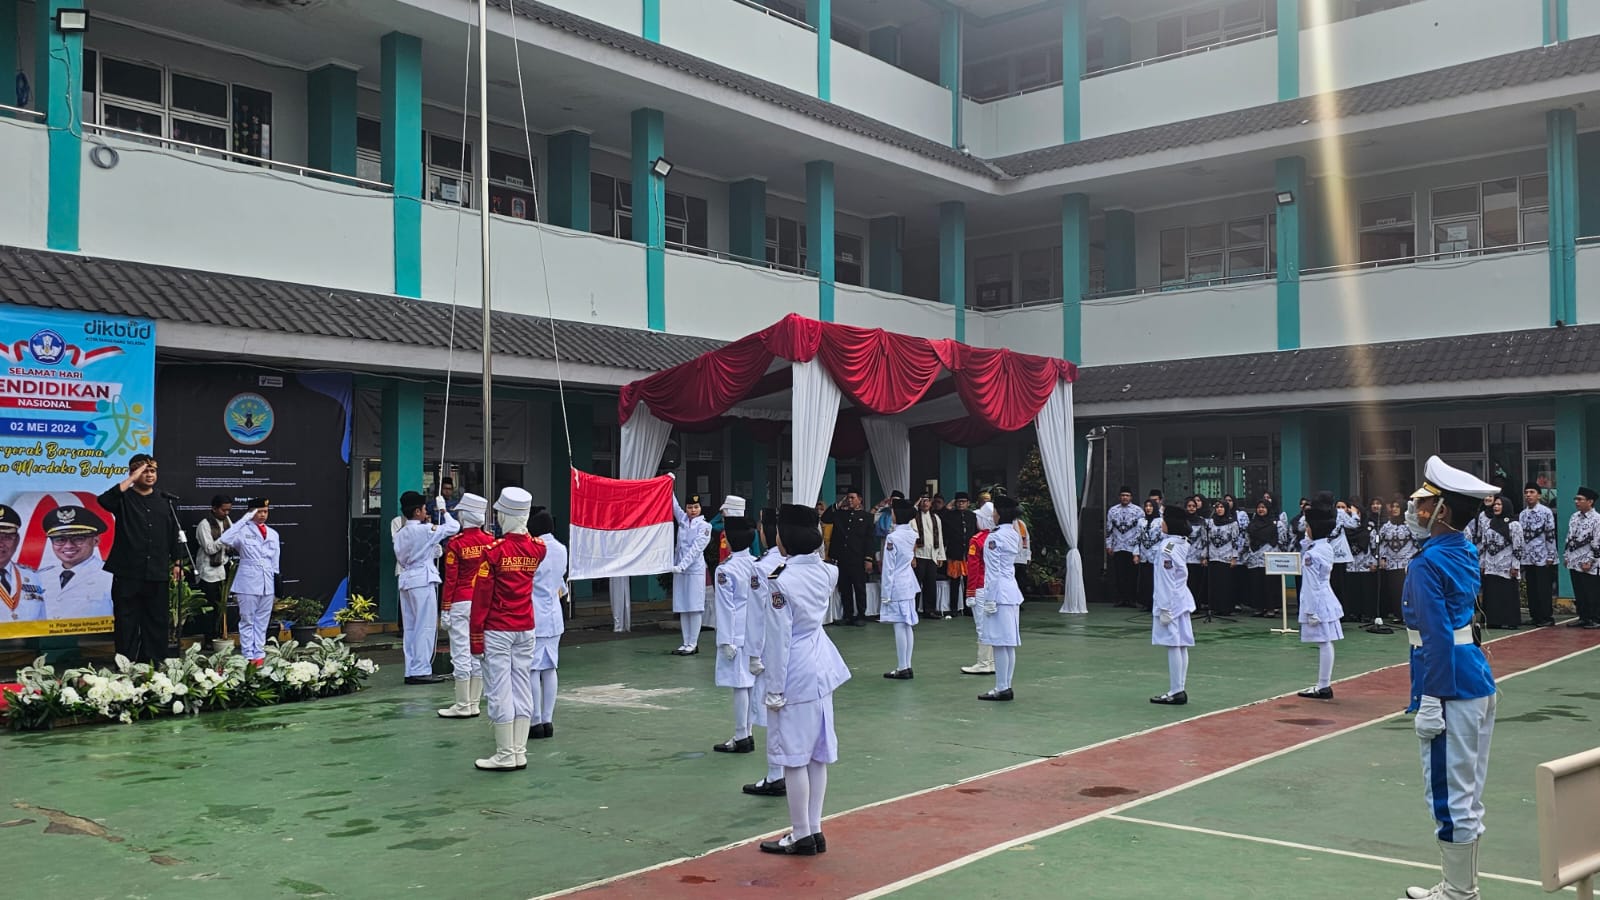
{"x":689,"y":573}
{"x":803,"y":669}
{"x":1171,"y":625}
{"x":898,"y":606}
{"x":1320,"y":610}
{"x":1450,"y":673}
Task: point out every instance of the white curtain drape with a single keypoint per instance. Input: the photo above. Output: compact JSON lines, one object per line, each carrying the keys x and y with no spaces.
{"x":644,"y":439}
{"x":1057,"y":447}
{"x":890,"y":444}
{"x":815,"y":410}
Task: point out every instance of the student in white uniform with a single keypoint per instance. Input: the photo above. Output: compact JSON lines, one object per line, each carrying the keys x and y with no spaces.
{"x":898,"y":606}
{"x":1320,"y":610}
{"x":689,"y":572}
{"x":415,"y":548}
{"x":549,"y":623}
{"x":803,"y":669}
{"x":21,"y":592}
{"x":756,"y":637}
{"x":1000,"y":625}
{"x":463,"y":557}
{"x":255,"y":583}
{"x":1170,"y":626}
{"x":77,"y":585}
{"x":737,"y":583}
{"x":985,"y":663}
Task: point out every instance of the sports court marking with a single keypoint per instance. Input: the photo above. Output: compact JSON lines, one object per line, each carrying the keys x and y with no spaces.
{"x":924,"y":834}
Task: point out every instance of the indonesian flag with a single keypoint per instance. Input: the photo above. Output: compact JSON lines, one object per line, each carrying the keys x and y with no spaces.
{"x":620,"y":528}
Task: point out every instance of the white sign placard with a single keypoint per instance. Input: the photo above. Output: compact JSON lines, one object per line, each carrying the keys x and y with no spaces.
{"x":1283,"y":563}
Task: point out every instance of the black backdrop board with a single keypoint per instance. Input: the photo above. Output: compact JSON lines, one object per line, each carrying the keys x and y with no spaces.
{"x":247,"y":432}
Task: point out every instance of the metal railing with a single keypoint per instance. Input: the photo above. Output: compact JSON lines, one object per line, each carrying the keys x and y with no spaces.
{"x":725,"y":256}
{"x":1017,"y":93}
{"x":213,"y":152}
{"x":775,"y":14}
{"x":1194,"y":51}
{"x":20,"y":112}
{"x":1475,"y":253}
{"x":1188,"y":285}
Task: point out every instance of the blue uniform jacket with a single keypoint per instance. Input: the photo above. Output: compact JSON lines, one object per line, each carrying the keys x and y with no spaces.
{"x":1440,"y":596}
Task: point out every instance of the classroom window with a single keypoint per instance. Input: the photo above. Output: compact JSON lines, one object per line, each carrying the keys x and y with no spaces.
{"x":992,"y":279}
{"x":369,"y":148}
{"x":1387,"y":229}
{"x":611,"y":213}
{"x":1213,"y":251}
{"x":152,"y":100}
{"x":1502,"y":213}
{"x":847,"y":259}
{"x":786,"y":243}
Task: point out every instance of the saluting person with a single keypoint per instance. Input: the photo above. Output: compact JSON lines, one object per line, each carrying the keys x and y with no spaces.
{"x":415,"y":546}
{"x":255,"y":583}
{"x":502,"y":629}
{"x":463,"y":556}
{"x":898,"y":605}
{"x":1174,"y":607}
{"x":689,"y":572}
{"x":1320,"y":610}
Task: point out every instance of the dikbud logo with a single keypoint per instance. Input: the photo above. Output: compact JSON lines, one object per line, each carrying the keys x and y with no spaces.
{"x":111,"y":329}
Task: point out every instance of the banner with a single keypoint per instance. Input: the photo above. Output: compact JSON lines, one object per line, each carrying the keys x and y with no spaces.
{"x":247,"y":432}
{"x":77,"y":398}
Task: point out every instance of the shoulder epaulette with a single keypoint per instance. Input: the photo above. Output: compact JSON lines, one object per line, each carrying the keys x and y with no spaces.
{"x":778,"y":571}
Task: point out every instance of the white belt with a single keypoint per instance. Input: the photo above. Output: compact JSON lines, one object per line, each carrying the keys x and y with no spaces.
{"x":1463,"y":636}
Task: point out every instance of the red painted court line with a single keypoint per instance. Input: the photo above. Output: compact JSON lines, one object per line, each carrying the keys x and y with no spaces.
{"x":883,"y":844}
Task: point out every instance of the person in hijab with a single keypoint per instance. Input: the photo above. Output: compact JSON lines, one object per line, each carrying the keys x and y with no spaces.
{"x":1264,"y":535}
{"x":1500,"y":556}
{"x":1171,"y":624}
{"x":1361,"y":576}
{"x":1320,"y":610}
{"x":1396,"y":545}
{"x":1194,"y":511}
{"x":1150,"y":537}
{"x":1223,"y":542}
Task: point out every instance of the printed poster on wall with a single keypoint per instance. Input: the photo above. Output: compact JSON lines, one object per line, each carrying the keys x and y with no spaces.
{"x":243,"y":432}
{"x":76,"y":401}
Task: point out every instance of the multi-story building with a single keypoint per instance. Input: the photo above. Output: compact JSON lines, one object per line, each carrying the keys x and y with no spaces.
{"x":1292,"y":244}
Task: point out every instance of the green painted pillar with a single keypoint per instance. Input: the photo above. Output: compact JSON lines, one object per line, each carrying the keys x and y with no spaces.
{"x":1072,"y":66}
{"x":1074,"y":272}
{"x":1561,"y":153}
{"x":57,"y":85}
{"x":651,"y":27}
{"x":1330,"y":454}
{"x":819,"y":232}
{"x":1588,"y":163}
{"x":884,"y":43}
{"x":885,"y":269}
{"x":1288,"y":49}
{"x":1290,"y":175}
{"x":10,"y":39}
{"x":331,"y":119}
{"x":953,"y":261}
{"x":952,"y":469}
{"x":402,"y":154}
{"x":830,"y":485}
{"x":950,"y":67}
{"x":1116,"y":41}
{"x":1574,"y":442}
{"x":649,"y":211}
{"x":1555,"y":20}
{"x":569,"y":180}
{"x":401,"y":456}
{"x":741,"y":450}
{"x":747,"y":220}
{"x":819,"y":15}
{"x":1295,"y":465}
{"x":1121,"y":269}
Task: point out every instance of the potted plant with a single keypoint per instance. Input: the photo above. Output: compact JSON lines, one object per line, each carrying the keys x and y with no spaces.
{"x":184,"y":602}
{"x":357,"y":617}
{"x":302,"y":614}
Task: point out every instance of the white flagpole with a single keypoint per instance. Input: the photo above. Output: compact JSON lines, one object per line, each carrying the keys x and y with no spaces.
{"x":483,"y":218}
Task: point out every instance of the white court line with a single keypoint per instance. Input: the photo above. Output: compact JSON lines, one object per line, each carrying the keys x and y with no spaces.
{"x":600,"y":882}
{"x":1115,"y":810}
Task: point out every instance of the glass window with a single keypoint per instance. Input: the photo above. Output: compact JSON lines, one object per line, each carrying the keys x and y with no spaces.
{"x":200,"y":96}
{"x":1542,"y":471}
{"x":252,"y":121}
{"x":1169,"y":36}
{"x":993,"y":277}
{"x":1038,"y":267}
{"x":1205,"y":237}
{"x":369,"y":134}
{"x":135,"y":120}
{"x":1249,"y":261}
{"x":448,"y":153}
{"x":847,"y":258}
{"x":1252,"y":447}
{"x":509,"y":168}
{"x":1535,"y":191}
{"x":205,"y":135}
{"x":1455,"y":237}
{"x":1210,"y":448}
{"x":1174,"y":263}
{"x":1386,"y":442}
{"x":1388,"y":231}
{"x":1463,"y":439}
{"x":1541,"y":439}
{"x":1202,"y":28}
{"x":1451,"y":202}
{"x":1500,"y":213}
{"x":1246,"y":231}
{"x":131,"y":80}
{"x":1205,"y":267}
{"x":1384,"y":213}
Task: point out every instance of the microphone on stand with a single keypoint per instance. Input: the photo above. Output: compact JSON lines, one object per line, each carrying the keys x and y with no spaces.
{"x":171,"y":496}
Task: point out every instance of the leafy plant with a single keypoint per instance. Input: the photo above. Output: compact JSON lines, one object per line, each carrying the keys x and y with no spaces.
{"x":301,"y":611}
{"x":359,"y":608}
{"x":184,"y":602}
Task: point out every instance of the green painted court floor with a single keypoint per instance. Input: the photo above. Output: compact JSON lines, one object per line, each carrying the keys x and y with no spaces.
{"x":373,"y":796}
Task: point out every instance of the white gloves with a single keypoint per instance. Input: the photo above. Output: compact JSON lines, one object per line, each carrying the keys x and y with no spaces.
{"x":990,"y":607}
{"x":1166,"y":617}
{"x":980,"y":596}
{"x":728,"y":651}
{"x":677,"y":570}
{"x":775,"y":701}
{"x":438,"y":503}
{"x":1430,"y":718}
{"x":756,"y":667}
{"x":1313,"y":619}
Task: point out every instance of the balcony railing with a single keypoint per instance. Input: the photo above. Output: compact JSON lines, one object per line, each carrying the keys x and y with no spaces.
{"x":1426,"y":257}
{"x":775,"y":14}
{"x":20,"y":112}
{"x":214,"y":153}
{"x":729,"y":257}
{"x":1193,"y":51}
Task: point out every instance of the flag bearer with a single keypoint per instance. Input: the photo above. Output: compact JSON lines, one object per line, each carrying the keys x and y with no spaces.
{"x":898,"y":605}
{"x":689,"y":572}
{"x":462,"y":556}
{"x":502,"y":629}
{"x":414,"y":545}
{"x":1002,"y":599}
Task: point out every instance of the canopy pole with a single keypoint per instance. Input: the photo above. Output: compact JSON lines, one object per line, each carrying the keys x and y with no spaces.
{"x":483,"y":219}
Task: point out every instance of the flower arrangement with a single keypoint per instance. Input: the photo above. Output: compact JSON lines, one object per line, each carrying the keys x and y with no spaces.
{"x":358,"y":608}
{"x":183,"y":685}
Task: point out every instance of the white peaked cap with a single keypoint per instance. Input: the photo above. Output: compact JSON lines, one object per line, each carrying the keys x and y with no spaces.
{"x":514,"y":501}
{"x":472,"y":503}
{"x":733,"y":506}
{"x":1438,"y":477}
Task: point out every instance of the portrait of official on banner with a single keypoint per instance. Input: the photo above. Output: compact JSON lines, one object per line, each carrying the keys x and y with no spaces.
{"x":77,"y":398}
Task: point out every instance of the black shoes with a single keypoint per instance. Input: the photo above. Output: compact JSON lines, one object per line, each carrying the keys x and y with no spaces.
{"x":898,"y":675}
{"x":822,"y":843}
{"x":692,"y":651}
{"x":806,"y":846}
{"x":765,"y":788}
{"x":996,"y":695}
{"x":539,"y":730}
{"x":1178,"y":699}
{"x":424,"y":679}
{"x":742,"y":745}
{"x":1316,"y":693}
{"x":859,"y":623}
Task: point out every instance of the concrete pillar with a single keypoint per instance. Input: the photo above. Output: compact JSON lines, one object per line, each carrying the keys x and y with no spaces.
{"x":1072,"y":65}
{"x":1555,"y":20}
{"x":819,"y":15}
{"x":1288,"y":49}
{"x":331,"y":119}
{"x":885,"y":269}
{"x":650,"y":28}
{"x":568,"y":180}
{"x":1074,"y":272}
{"x":57,"y":85}
{"x":401,"y":453}
{"x":1575,"y":440}
{"x":819,"y":232}
{"x":747,"y":220}
{"x":402,"y":154}
{"x":1561,"y":152}
{"x":953,"y":261}
{"x":950,"y":67}
{"x":649,"y":210}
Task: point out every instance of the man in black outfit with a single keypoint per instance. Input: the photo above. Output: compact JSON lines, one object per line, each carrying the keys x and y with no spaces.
{"x":144,"y":556}
{"x":851,"y":550}
{"x":960,"y":524}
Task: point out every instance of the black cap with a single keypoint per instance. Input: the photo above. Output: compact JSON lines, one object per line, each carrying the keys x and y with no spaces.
{"x":962,"y":495}
{"x":1588,"y":494}
{"x":10,"y":522}
{"x":258,"y":503}
{"x":1532,"y":486}
{"x":1177,"y":521}
{"x":1125,"y":490}
{"x":68,"y":520}
{"x":694,"y":500}
{"x":410,"y":500}
{"x":896,"y":495}
{"x":1004,"y":503}
{"x":795,"y":514}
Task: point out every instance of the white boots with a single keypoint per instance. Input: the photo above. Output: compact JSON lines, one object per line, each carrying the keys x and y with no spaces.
{"x":468,"y":695}
{"x":1460,"y":875}
{"x":511,"y":747}
{"x":985,"y":663}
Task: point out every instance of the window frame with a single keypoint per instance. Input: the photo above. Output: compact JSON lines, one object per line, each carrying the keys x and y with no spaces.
{"x":1392,"y":227}
{"x":164,"y":112}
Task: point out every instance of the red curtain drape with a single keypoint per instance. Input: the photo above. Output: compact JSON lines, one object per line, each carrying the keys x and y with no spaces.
{"x":879,"y":370}
{"x":969,"y":431}
{"x":1002,"y":387}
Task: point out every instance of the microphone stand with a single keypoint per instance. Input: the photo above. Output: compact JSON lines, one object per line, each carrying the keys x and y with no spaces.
{"x":183,"y":539}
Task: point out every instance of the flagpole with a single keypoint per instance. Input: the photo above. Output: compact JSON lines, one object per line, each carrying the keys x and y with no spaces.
{"x":483,"y":218}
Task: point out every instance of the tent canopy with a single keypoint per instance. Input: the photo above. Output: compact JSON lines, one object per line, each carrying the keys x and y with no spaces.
{"x":805,"y":372}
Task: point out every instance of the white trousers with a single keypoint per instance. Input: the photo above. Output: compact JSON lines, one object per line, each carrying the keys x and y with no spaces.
{"x":1455,"y":766}
{"x":462,"y":662}
{"x":419,"y":616}
{"x":508,"y":675}
{"x":255,"y":610}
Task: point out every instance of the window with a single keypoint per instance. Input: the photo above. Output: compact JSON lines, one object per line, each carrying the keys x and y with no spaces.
{"x":1390,"y":442}
{"x":992,"y":278}
{"x":1387,"y":230}
{"x":611,"y":213}
{"x":1462,"y":446}
{"x":1041,"y":275}
{"x":510,"y":186}
{"x":847,"y":258}
{"x":1503,"y":213}
{"x":1204,"y":26}
{"x":448,"y":167}
{"x":369,"y":149}
{"x":1201,"y":253}
{"x":1038,"y":67}
{"x":1214,"y":465}
{"x":154,"y":101}
{"x":1541,"y":460}
{"x":1387,"y":467}
{"x":786,"y":244}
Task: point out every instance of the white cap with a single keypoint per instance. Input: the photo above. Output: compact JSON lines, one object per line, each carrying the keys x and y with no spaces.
{"x":1441,"y":478}
{"x":472,"y":503}
{"x":733,"y":506}
{"x":514,"y":501}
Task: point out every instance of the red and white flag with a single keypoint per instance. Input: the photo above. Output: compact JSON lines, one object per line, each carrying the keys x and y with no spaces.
{"x":620,"y":528}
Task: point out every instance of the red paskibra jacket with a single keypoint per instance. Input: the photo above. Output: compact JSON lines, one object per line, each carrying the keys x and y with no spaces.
{"x":975,"y":563}
{"x":502,"y":600}
{"x":462,"y":556}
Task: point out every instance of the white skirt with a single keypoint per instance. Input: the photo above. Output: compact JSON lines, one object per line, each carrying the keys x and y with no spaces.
{"x":802,"y":733}
{"x":1179,"y":634}
{"x":689,"y":591}
{"x":898,"y":611}
{"x":546,"y":653}
{"x":1324,"y":631}
{"x":734,"y":673}
{"x":874,"y":598}
{"x":1003,"y":629}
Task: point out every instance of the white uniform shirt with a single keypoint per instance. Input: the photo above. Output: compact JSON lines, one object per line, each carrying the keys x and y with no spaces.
{"x":259,"y":557}
{"x":755,"y":626}
{"x":899,"y":548}
{"x":1316,"y":591}
{"x":985,"y":514}
{"x":1171,"y":592}
{"x":693,"y":537}
{"x":1583,"y":540}
{"x":23,"y":595}
{"x":999,"y":566}
{"x":415,"y":548}
{"x":549,"y":586}
{"x":1123,"y":522}
{"x":1538,"y":535}
{"x":87,"y":594}
{"x":802,"y":663}
{"x":208,"y":537}
{"x":737,"y":582}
